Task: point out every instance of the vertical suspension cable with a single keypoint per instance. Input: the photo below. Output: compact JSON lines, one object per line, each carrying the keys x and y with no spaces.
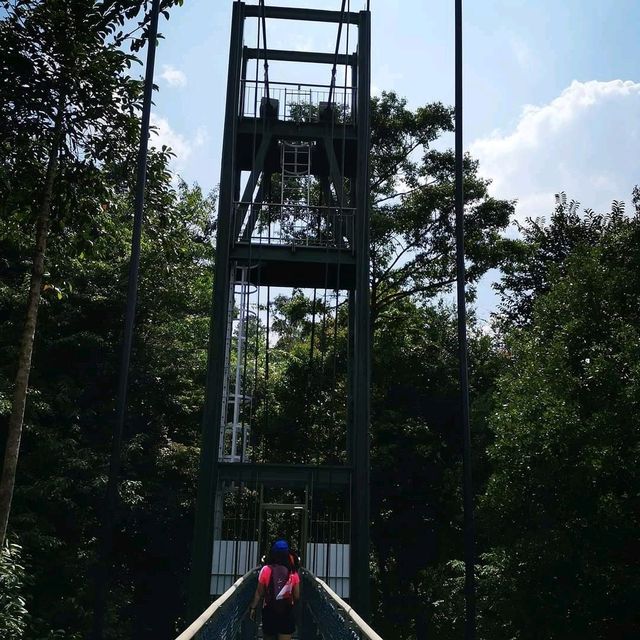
{"x":307,"y":556}
{"x":256,"y":514}
{"x":220,"y":577}
{"x":236,"y":551}
{"x":257,"y":351}
{"x":242,"y":515}
{"x":105,"y":548}
{"x":339,"y":198}
{"x":264,"y":40}
{"x":255,"y":366}
{"x":311,"y":358}
{"x":332,"y":531}
{"x":245,"y":354}
{"x":323,"y":358}
{"x":335,"y":59}
{"x":469,"y":527}
{"x":266,"y":375}
{"x":340,"y":220}
{"x":313,"y":329}
{"x":247,"y":269}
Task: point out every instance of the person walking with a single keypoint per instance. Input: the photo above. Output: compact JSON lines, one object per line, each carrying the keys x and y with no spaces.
{"x":279,"y":585}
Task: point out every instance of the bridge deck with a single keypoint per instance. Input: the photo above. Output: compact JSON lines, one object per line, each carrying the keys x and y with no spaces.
{"x":321,"y":613}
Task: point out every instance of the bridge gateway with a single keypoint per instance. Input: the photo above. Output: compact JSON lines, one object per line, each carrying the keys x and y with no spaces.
{"x":292,"y":215}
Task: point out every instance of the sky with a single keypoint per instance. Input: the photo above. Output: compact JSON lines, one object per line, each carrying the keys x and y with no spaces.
{"x":551,"y":89}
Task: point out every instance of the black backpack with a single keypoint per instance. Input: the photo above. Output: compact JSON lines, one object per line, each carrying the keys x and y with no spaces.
{"x":279,"y":596}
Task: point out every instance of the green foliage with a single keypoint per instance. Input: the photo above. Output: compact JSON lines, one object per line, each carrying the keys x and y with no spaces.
{"x":13,"y":615}
{"x":71,"y":56}
{"x":307,"y":361}
{"x":415,"y":457}
{"x":559,"y":516}
{"x":541,"y":252}
{"x":62,"y":476}
{"x":412,"y":200}
{"x":444,"y":590}
{"x":562,"y":502}
{"x":415,"y":442}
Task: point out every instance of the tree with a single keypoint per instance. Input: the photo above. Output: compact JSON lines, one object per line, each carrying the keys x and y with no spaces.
{"x":416,"y":459}
{"x":412,"y":206}
{"x":540,"y":253}
{"x":68,"y":104}
{"x":67,"y":436}
{"x":415,"y":447}
{"x":562,"y":501}
{"x":304,"y":420}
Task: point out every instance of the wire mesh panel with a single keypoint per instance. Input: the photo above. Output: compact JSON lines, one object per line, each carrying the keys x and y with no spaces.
{"x":235,"y":546}
{"x":295,"y":102}
{"x":322,"y":615}
{"x":226,"y":622}
{"x":296,"y":225}
{"x":328,"y":552}
{"x":331,"y":621}
{"x":231,"y":558}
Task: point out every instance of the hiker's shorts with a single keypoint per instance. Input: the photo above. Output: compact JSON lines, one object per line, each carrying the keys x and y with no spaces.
{"x":274,"y":623}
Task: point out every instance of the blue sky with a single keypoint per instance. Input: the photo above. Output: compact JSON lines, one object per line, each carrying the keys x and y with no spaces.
{"x":552,"y":88}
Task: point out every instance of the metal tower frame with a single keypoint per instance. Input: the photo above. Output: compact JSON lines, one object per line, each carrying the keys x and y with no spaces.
{"x":307,"y":266}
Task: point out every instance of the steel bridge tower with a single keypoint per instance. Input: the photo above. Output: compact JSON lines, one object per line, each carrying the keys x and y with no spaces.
{"x":292,"y":213}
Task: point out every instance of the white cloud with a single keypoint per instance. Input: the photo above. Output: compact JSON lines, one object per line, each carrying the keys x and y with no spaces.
{"x":165,"y":135}
{"x":201,"y":137}
{"x":173,"y":77}
{"x":584,"y":142}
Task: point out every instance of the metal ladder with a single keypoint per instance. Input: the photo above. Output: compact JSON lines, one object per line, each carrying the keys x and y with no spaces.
{"x":295,"y":191}
{"x":234,"y":396}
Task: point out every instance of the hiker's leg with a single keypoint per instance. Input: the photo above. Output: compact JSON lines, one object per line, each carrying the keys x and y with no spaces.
{"x":269,"y":628}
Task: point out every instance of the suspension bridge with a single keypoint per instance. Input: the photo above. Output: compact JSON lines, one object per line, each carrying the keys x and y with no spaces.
{"x":293,"y":219}
{"x":293,"y":223}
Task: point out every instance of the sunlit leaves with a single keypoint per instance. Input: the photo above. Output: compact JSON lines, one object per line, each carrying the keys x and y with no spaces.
{"x":562,"y":502}
{"x":412,"y":206}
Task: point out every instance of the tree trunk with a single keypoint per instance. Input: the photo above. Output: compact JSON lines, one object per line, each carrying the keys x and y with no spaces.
{"x":14,"y":432}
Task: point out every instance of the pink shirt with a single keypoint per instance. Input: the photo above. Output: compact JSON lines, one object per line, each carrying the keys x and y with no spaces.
{"x":265,"y":577}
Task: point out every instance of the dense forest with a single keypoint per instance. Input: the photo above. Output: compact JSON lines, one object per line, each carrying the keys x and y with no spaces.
{"x":555,"y":376}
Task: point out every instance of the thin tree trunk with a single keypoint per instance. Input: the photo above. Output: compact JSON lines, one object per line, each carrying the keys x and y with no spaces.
{"x":12,"y":450}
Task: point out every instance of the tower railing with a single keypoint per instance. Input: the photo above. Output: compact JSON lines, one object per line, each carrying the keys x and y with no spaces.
{"x":294,"y":225}
{"x":296,"y":102}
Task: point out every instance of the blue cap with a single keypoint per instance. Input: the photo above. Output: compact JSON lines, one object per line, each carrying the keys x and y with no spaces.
{"x":281,"y":545}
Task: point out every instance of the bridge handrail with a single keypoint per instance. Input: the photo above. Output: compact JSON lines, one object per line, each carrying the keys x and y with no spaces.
{"x":366,"y":631}
{"x":355,"y":627}
{"x":199,"y":623}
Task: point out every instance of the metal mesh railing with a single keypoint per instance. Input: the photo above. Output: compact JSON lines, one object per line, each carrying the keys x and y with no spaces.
{"x":333,"y":618}
{"x":295,"y":225}
{"x":223,"y":619}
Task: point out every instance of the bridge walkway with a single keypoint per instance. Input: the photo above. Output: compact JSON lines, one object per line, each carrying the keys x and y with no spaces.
{"x":321,"y":614}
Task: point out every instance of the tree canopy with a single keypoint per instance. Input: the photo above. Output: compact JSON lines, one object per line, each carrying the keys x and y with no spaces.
{"x":412,"y":200}
{"x":554,"y":378}
{"x":562,"y":501}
